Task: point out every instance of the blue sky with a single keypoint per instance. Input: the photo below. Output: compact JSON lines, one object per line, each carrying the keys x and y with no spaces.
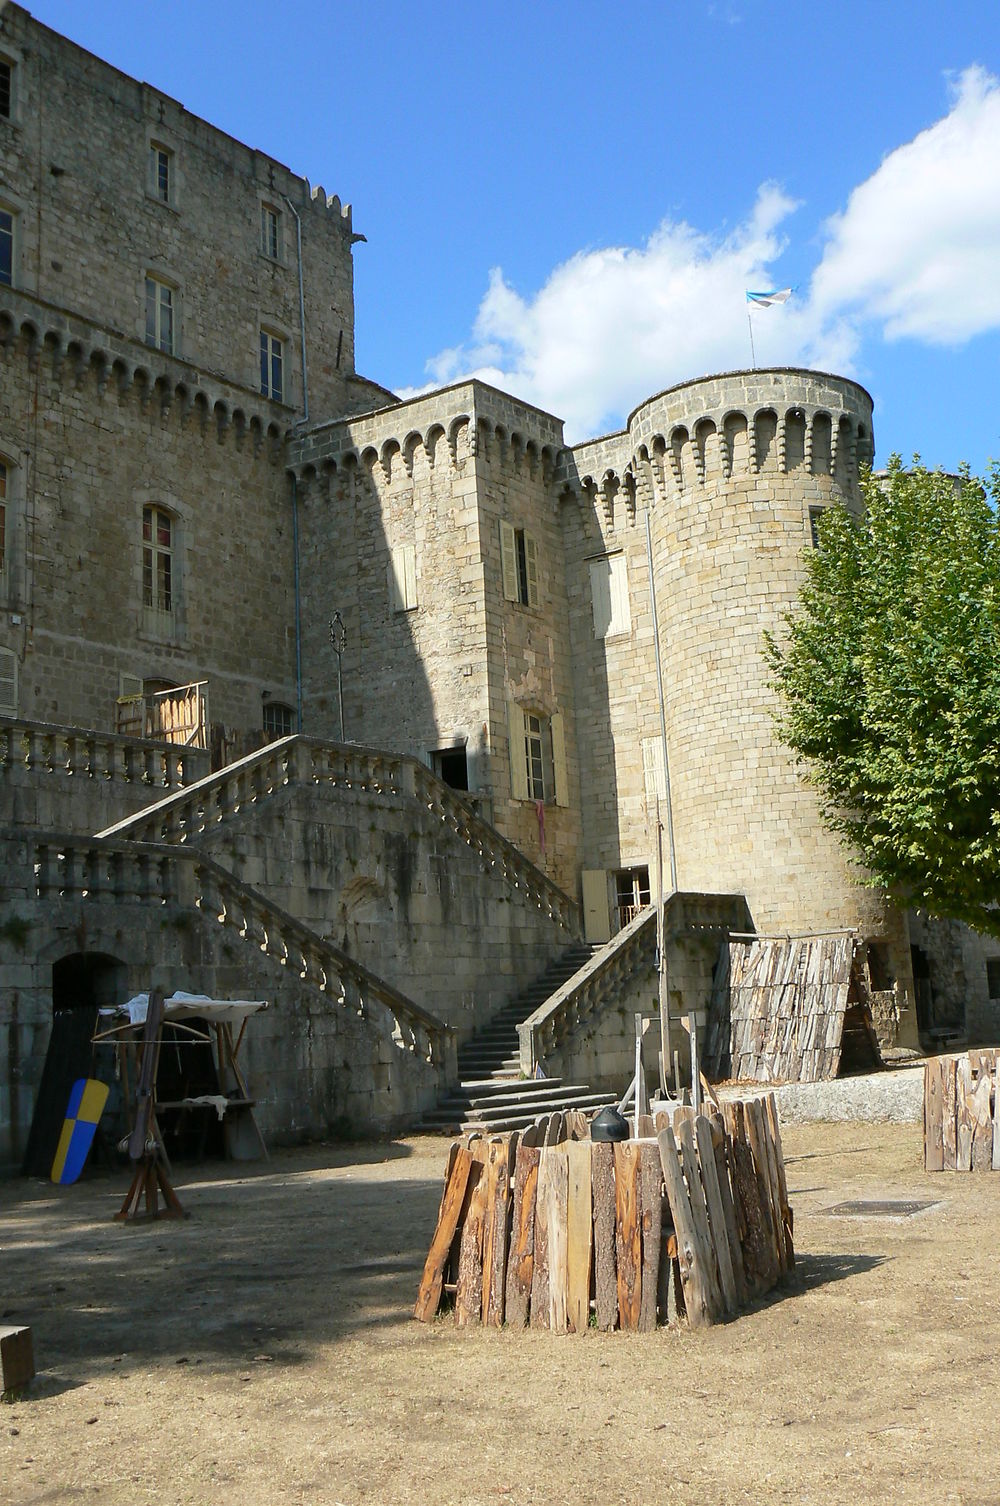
{"x":571,"y":200}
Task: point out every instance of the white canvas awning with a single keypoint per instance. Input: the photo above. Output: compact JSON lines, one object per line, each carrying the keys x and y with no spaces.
{"x":184,"y":1006}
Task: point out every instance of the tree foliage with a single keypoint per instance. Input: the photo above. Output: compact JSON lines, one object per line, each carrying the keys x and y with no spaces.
{"x":889,"y":685}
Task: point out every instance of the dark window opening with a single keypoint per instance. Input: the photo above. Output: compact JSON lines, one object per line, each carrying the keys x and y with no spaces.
{"x":631,"y":893}
{"x":815,"y":513}
{"x":279,"y":720}
{"x":6,"y":89}
{"x":452,"y":767}
{"x":6,"y":248}
{"x":993,"y":977}
{"x":879,"y":972}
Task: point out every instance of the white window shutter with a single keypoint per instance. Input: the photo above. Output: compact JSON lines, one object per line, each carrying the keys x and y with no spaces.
{"x":652,"y":769}
{"x":403,"y":578}
{"x":410,"y":574}
{"x":600,"y":590}
{"x":559,"y":758}
{"x":508,"y":561}
{"x":531,"y":569}
{"x":621,"y":617}
{"x":518,"y":767}
{"x":8,"y":682}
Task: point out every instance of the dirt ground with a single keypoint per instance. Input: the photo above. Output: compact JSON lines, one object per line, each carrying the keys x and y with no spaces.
{"x":263,"y":1351}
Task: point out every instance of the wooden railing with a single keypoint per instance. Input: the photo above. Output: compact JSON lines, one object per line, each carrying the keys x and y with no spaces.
{"x":44,"y":748}
{"x":588,"y":990}
{"x":102,"y":869}
{"x":185,"y":815}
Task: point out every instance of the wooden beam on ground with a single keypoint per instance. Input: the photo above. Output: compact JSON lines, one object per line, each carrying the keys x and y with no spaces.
{"x":429,"y":1296}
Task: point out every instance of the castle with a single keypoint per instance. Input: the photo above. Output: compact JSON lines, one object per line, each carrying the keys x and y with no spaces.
{"x":401,"y":819}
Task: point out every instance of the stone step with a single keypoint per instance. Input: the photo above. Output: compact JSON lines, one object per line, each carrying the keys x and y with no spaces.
{"x":515,"y":1118}
{"x":490,"y":1104}
{"x":485,"y":1086}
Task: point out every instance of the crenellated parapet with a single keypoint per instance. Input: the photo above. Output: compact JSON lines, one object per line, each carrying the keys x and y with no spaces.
{"x":74,"y":350}
{"x":720,"y":429}
{"x":442,"y":431}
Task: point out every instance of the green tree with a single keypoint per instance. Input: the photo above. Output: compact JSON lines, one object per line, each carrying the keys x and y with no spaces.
{"x":889,"y":686}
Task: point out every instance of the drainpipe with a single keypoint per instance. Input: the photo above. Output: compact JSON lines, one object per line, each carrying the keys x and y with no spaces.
{"x":298,"y":614}
{"x":302,"y":309}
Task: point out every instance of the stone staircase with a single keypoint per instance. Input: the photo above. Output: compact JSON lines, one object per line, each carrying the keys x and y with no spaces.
{"x":491,"y":1094}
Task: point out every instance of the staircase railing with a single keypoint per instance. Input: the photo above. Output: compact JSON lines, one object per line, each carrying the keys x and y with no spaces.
{"x":45,"y":748}
{"x":562,"y":1014}
{"x":710,"y":916}
{"x":102,"y":869}
{"x":187,"y":814}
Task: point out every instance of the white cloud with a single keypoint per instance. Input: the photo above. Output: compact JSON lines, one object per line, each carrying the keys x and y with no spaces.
{"x":913,"y":253}
{"x":611,"y":325}
{"x":916,"y":248}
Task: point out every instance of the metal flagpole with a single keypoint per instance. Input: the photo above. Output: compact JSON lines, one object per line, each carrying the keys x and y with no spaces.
{"x":753,"y":358}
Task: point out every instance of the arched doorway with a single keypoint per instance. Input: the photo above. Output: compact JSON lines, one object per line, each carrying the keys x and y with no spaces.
{"x":81,"y":984}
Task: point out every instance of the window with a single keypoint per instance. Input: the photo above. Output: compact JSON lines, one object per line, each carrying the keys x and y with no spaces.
{"x":815,"y":513}
{"x":3,"y":514}
{"x":654,"y":776}
{"x":519,"y":565}
{"x":631,"y":893}
{"x":6,"y":247}
{"x":157,"y":559}
{"x":403,"y":578}
{"x":160,"y":311}
{"x":270,"y":232}
{"x":271,"y":381}
{"x":8,"y":682}
{"x":537,"y":755}
{"x":993,"y":977}
{"x":161,"y":177}
{"x":609,"y":589}
{"x":6,"y":89}
{"x":279,"y":720}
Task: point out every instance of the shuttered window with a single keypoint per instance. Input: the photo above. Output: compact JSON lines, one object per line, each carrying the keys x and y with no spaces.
{"x":609,"y":590}
{"x":403,"y":578}
{"x":519,"y":565}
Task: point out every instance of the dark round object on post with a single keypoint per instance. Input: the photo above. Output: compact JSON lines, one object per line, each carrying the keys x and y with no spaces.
{"x":608,"y":1125}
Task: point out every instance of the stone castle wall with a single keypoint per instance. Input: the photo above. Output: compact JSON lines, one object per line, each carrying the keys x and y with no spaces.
{"x":88,"y":445}
{"x":90,"y":226}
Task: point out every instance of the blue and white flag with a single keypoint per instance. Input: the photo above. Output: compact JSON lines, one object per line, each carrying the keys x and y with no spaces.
{"x":767,"y":300}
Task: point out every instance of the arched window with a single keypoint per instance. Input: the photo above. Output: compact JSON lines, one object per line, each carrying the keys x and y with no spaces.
{"x":157,"y":559}
{"x":279,"y":720}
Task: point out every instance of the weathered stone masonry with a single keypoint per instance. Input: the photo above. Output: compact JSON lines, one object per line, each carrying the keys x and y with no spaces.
{"x":496,"y":594}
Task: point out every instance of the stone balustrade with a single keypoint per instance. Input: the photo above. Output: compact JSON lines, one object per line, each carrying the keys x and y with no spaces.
{"x":599,"y":981}
{"x":304,"y":760}
{"x":43,"y":748}
{"x":96,"y":869}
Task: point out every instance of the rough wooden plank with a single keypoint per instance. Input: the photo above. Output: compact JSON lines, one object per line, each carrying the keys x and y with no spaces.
{"x":698,"y":1306}
{"x":963,"y":1114}
{"x":577,"y":1127}
{"x":787,"y":1220}
{"x":758,"y":1260}
{"x":496,"y":1159}
{"x":499,"y":1232}
{"x":556,"y":1129}
{"x":17,"y":1358}
{"x":705,"y":1253}
{"x":539,"y":1313}
{"x":581,"y":1235}
{"x":996,"y":1116}
{"x":771,"y":1174}
{"x":949,"y":1115}
{"x":557,"y":1194}
{"x":469,"y":1285}
{"x":720,"y":1140}
{"x":646,"y":1127}
{"x":771,"y":1216}
{"x":716,"y":1215}
{"x":429,"y":1295}
{"x":522,"y":1239}
{"x":605,"y":1262}
{"x":982,"y":1122}
{"x":651,"y":1219}
{"x":628,"y":1237}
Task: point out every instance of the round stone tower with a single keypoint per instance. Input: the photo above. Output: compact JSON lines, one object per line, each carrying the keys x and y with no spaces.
{"x":737,"y":466}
